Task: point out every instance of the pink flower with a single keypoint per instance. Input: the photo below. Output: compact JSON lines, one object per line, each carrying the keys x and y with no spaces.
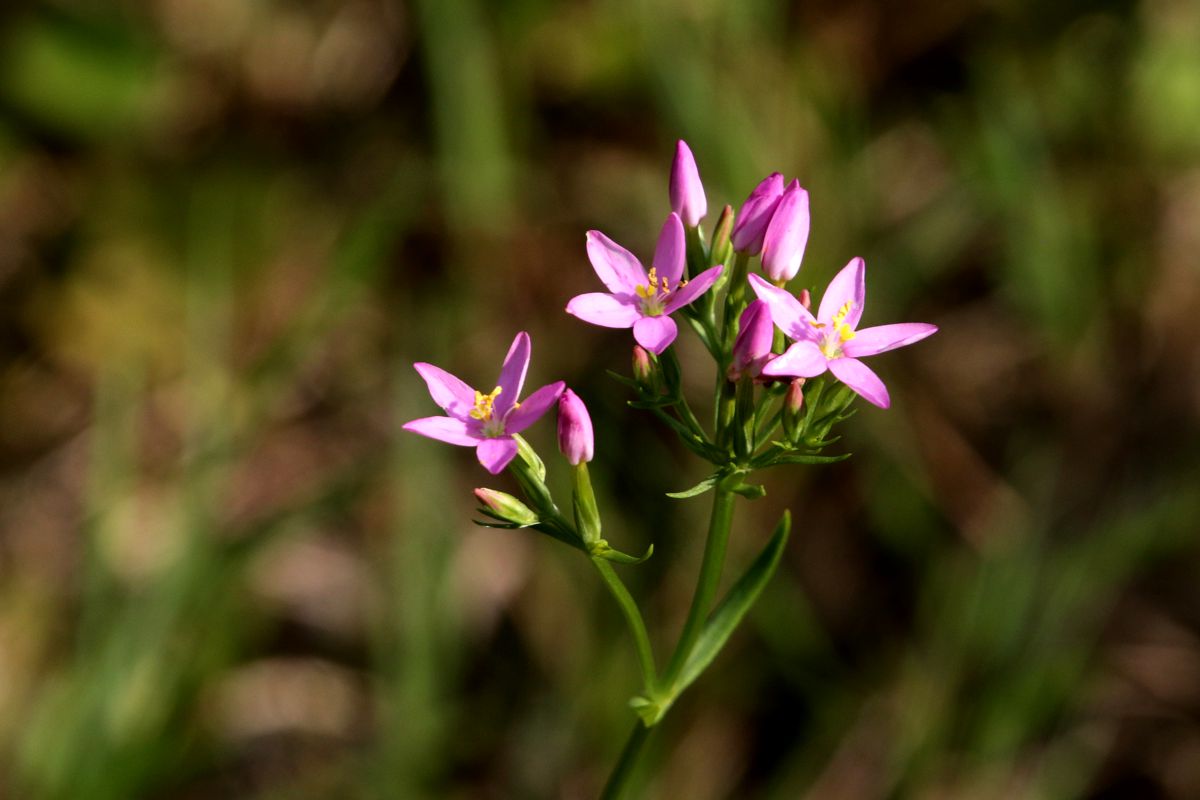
{"x":755,"y":215}
{"x":752,"y":348}
{"x":638,"y":299}
{"x":687,"y":192}
{"x":574,"y":429}
{"x":787,"y":235}
{"x":485,"y":421}
{"x":831,"y":339}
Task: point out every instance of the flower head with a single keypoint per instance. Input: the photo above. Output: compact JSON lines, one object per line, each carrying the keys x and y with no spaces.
{"x":574,"y":428}
{"x":636,"y":298}
{"x":831,"y":340}
{"x":755,"y":215}
{"x":787,"y":235}
{"x":752,"y":348}
{"x":687,"y":192}
{"x":485,"y":420}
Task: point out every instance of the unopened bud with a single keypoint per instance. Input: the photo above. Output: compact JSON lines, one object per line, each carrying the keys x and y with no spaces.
{"x":506,"y":507}
{"x":686,"y":190}
{"x":643,"y":367}
{"x":793,"y":401}
{"x":756,"y":213}
{"x":806,"y":299}
{"x":786,"y":236}
{"x":793,"y":404}
{"x":756,"y":334}
{"x":574,"y":428}
{"x":720,"y":249}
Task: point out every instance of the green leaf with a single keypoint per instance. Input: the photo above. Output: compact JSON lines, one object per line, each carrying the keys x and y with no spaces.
{"x":619,"y":378}
{"x":602,"y":550}
{"x":647,"y":405}
{"x":700,"y":488}
{"x":751,"y":491}
{"x":724,"y":620}
{"x":801,"y":458}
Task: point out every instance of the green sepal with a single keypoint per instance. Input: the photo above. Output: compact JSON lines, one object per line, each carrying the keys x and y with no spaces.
{"x":502,"y":522}
{"x":587,"y":515}
{"x":699,"y":489}
{"x":530,"y":457}
{"x":741,"y":597}
{"x":600,"y":549}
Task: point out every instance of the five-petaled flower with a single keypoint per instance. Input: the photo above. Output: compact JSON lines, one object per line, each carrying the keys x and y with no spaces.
{"x":485,"y":420}
{"x":830,"y":340}
{"x":636,"y":298}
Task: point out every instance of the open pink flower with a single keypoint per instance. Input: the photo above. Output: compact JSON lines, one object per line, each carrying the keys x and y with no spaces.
{"x":485,"y":421}
{"x":636,"y":298}
{"x":830,"y":339}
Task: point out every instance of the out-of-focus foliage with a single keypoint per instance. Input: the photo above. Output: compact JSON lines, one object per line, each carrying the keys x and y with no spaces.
{"x":228,"y":226}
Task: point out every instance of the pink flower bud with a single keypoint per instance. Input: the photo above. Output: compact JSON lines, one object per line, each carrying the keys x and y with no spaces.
{"x":806,"y":298}
{"x":574,"y":428}
{"x":786,"y":236}
{"x":756,"y":334}
{"x":687,"y":192}
{"x":506,"y":507}
{"x":793,"y":401}
{"x":643,"y":369}
{"x":755,"y":215}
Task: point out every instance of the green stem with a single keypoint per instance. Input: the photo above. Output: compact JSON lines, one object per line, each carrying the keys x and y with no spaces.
{"x":637,"y":626}
{"x":706,"y":586}
{"x":621,"y":773}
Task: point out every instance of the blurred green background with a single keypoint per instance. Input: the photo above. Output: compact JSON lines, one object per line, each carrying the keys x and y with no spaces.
{"x":227,"y":228}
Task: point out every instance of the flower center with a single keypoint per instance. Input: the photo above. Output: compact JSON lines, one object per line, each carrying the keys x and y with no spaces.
{"x":484,"y":404}
{"x":655,"y":292}
{"x":839,"y":331}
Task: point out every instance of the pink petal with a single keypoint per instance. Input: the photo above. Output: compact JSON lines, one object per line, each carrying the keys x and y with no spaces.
{"x":671,"y":251}
{"x":451,"y":394}
{"x":616,"y":267}
{"x":495,"y":453}
{"x":859,"y":377}
{"x":848,"y":286}
{"x":512,"y":374}
{"x":532,"y":407}
{"x":695,"y":287}
{"x":444,"y":429}
{"x":880,"y":339}
{"x":605,"y":310}
{"x":752,"y":220}
{"x":686,"y":190}
{"x":802,"y":360}
{"x":789,"y":315}
{"x":655,"y":333}
{"x":787,"y":235}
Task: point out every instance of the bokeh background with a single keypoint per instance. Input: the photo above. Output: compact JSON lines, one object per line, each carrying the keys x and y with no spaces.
{"x":227,"y":228}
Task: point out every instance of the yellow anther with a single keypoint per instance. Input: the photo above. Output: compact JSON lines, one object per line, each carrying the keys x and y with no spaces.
{"x":844,"y":331}
{"x":484,"y":404}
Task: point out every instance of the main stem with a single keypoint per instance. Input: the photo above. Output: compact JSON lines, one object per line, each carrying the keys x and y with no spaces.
{"x":706,"y":585}
{"x":625,"y":764}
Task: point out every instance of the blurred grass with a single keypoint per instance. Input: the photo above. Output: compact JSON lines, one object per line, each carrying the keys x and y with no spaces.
{"x":227,"y":229}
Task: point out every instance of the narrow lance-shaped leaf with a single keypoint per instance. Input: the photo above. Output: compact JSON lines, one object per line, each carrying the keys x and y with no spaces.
{"x":724,"y":620}
{"x":700,"y":488}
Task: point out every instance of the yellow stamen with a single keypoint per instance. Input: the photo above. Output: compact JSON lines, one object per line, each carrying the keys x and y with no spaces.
{"x":839,"y":322}
{"x":484,"y":404}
